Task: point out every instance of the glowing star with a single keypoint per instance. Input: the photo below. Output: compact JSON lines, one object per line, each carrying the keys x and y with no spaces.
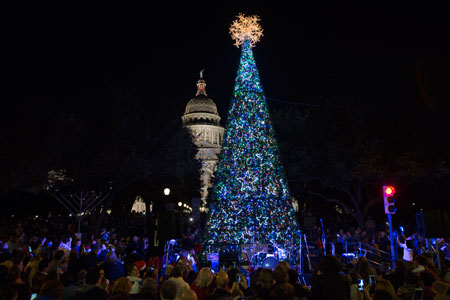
{"x":247,"y":182}
{"x":246,"y":28}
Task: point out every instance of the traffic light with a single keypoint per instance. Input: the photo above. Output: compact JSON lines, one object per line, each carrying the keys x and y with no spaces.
{"x":389,"y":200}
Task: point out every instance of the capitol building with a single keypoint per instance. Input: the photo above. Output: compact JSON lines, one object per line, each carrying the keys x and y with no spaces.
{"x":203,"y":121}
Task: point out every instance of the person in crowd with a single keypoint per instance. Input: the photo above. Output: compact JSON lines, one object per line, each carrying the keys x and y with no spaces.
{"x":69,"y":287}
{"x":383,"y":242}
{"x":427,"y":278}
{"x":236,"y":291}
{"x":188,"y":295}
{"x":121,"y":286}
{"x":385,"y":287}
{"x":148,"y":290}
{"x":441,"y":289}
{"x":73,"y":263}
{"x":430,"y":263}
{"x":14,"y":277}
{"x":221,"y":288}
{"x":285,"y":264}
{"x":77,"y":245}
{"x":176,"y":276}
{"x":151,"y":272}
{"x":200,"y":285}
{"x":282,"y":289}
{"x":40,"y":276}
{"x":91,"y":290}
{"x":104,"y":282}
{"x":363,"y":268}
{"x":251,"y":291}
{"x":381,"y":295}
{"x":355,"y":293}
{"x":328,"y":283}
{"x":301,"y":291}
{"x":81,"y":279}
{"x":133,"y":276}
{"x":398,"y":276}
{"x":421,"y":264}
{"x":51,"y":290}
{"x":407,"y":245}
{"x":406,"y":291}
{"x":167,"y":272}
{"x":31,"y":269}
{"x":58,"y":262}
{"x":234,"y":274}
{"x":168,"y":290}
{"x":189,"y":275}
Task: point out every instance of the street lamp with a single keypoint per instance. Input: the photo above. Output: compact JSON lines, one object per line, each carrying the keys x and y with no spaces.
{"x":179,"y":204}
{"x":166,"y":191}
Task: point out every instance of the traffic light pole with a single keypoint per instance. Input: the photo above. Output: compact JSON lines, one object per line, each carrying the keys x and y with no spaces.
{"x":391,"y":237}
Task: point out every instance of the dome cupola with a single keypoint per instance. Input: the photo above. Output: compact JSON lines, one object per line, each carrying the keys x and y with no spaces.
{"x":201,"y":103}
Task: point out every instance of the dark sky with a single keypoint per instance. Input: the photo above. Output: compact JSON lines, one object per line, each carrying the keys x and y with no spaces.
{"x":61,"y":56}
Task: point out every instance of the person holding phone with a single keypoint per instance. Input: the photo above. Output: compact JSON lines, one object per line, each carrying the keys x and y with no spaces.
{"x":358,"y":288}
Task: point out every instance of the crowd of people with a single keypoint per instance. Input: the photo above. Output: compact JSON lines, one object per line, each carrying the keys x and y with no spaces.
{"x":44,"y":259}
{"x":407,"y":242}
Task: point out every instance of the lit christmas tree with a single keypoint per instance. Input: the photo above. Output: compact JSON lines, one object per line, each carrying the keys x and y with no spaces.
{"x":250,"y":202}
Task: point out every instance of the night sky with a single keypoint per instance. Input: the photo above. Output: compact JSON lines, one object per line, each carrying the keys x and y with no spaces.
{"x":68,"y":55}
{"x":63,"y":58}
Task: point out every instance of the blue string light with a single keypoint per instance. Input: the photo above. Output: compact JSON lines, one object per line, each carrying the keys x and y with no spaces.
{"x":250,"y":201}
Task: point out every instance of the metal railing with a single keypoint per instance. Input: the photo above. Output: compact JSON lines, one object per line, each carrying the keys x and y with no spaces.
{"x":376,"y":258}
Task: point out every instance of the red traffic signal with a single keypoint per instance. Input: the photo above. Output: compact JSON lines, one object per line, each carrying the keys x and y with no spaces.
{"x":389,"y":190}
{"x":389,"y":200}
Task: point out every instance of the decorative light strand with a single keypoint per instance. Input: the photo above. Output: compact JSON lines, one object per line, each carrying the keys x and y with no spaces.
{"x":246,"y":29}
{"x":250,"y":202}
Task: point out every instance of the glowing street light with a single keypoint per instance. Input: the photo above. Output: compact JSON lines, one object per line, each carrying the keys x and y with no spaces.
{"x":166,"y":191}
{"x":179,"y":204}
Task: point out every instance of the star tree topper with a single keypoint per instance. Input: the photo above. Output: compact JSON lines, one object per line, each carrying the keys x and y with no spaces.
{"x":246,"y":28}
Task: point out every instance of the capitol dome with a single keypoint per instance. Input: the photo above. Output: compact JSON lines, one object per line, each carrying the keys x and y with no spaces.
{"x":202,"y":120}
{"x":201,"y":109}
{"x":201,"y":104}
